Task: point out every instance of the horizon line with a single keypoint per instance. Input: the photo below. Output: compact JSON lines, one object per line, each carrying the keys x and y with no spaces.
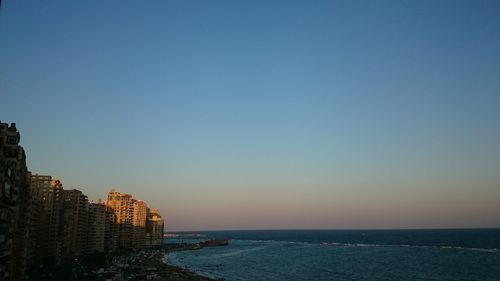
{"x":342,"y":229}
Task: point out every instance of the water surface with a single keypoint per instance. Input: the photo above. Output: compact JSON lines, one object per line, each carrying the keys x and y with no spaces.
{"x":349,"y":255}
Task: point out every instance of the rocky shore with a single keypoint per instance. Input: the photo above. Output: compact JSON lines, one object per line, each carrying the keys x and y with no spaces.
{"x":143,"y":265}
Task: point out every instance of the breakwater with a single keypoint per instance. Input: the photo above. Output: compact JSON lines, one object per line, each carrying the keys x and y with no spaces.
{"x":172,"y":247}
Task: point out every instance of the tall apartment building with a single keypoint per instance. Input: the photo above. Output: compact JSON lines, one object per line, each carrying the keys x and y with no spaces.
{"x":139,"y":223}
{"x":74,"y":220}
{"x":41,"y":223}
{"x":48,"y":193}
{"x":137,"y":226}
{"x":96,"y":231}
{"x":31,"y":225}
{"x":102,"y":229}
{"x":24,"y":219}
{"x":111,"y":230}
{"x":154,"y":229}
{"x":70,"y":226}
{"x":14,"y":189}
{"x":123,"y":206}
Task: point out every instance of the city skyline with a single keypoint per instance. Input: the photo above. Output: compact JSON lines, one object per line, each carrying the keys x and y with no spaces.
{"x":267,"y":114}
{"x":44,"y":225}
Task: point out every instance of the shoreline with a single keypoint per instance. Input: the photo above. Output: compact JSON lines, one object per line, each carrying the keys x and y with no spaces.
{"x":142,"y":265}
{"x":145,"y":264}
{"x":186,"y":272}
{"x":177,"y":247}
{"x":150,"y":264}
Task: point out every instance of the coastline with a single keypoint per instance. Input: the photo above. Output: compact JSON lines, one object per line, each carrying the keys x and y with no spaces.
{"x":182,"y":273}
{"x":176,"y":247}
{"x":142,"y":265}
{"x":145,"y":264}
{"x":150,"y":264}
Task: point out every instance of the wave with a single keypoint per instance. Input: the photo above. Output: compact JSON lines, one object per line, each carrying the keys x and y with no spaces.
{"x":489,"y":250}
{"x":238,"y":252}
{"x":342,"y":244}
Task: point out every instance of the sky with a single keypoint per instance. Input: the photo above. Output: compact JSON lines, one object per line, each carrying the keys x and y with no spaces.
{"x":263,"y":114}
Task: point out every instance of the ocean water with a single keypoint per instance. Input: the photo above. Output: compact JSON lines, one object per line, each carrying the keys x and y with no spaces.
{"x":463,"y":254}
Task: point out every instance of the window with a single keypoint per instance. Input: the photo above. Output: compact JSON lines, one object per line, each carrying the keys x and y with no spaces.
{"x":12,"y":140}
{"x":7,"y":188}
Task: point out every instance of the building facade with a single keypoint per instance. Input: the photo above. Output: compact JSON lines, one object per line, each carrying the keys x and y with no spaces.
{"x":136,"y":225}
{"x":139,"y":223}
{"x":154,"y":230}
{"x":74,"y":223}
{"x":14,"y":195}
{"x":96,"y":231}
{"x":111,"y":230}
{"x":49,"y":195}
{"x":123,"y":206}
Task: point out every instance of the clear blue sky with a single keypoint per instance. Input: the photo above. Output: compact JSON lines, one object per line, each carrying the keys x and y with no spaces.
{"x":264,"y":114}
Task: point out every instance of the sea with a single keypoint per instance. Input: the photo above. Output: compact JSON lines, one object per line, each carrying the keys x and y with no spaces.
{"x":426,"y":254}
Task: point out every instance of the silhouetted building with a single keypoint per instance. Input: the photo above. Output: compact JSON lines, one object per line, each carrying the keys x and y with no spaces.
{"x":96,"y":231}
{"x":111,"y":230}
{"x":14,"y":195}
{"x":31,"y":209}
{"x":49,"y":195}
{"x":74,"y":221}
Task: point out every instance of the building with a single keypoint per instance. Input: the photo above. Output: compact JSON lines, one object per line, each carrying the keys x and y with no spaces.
{"x":123,"y":206}
{"x":154,"y":229}
{"x":14,"y":195}
{"x":48,"y":193}
{"x":73,"y":223}
{"x":111,"y":230}
{"x":139,"y":223}
{"x":31,"y":225}
{"x":42,"y":224}
{"x":102,"y":230}
{"x":136,"y":225}
{"x":96,"y":231}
